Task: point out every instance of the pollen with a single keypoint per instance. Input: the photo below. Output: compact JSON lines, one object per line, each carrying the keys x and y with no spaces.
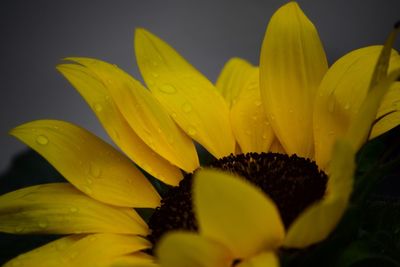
{"x":292,"y":182}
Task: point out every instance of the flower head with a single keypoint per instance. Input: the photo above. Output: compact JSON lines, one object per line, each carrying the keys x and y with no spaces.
{"x":291,"y":104}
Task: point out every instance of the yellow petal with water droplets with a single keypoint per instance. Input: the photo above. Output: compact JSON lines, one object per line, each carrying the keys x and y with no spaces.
{"x":324,"y":215}
{"x":98,"y":250}
{"x":233,"y":78}
{"x":90,"y":164}
{"x":94,"y":91}
{"x":261,"y":260}
{"x":249,"y":121}
{"x":340,"y":96}
{"x":191,"y":100}
{"x":292,"y":65}
{"x":361,"y":127}
{"x":145,"y":115}
{"x":60,"y":208}
{"x":389,"y":112}
{"x":183,"y":249}
{"x":250,"y":223}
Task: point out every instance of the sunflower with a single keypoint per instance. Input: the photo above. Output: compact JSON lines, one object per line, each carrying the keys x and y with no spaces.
{"x":286,"y":105}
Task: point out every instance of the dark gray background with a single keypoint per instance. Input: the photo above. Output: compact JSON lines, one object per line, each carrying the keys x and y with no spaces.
{"x":35,"y":35}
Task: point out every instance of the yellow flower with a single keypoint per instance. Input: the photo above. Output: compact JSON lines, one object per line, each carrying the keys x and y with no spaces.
{"x":238,"y":222}
{"x":306,"y":109}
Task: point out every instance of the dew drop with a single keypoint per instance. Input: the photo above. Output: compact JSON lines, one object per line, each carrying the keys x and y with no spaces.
{"x":331,"y":133}
{"x":248,"y":132}
{"x":264,"y":136}
{"x":155,"y":75}
{"x":254,"y":118}
{"x":43,"y":224}
{"x":73,"y":209}
{"x":116,"y":134}
{"x":186,"y":107}
{"x":174,"y":115}
{"x":168,"y":89}
{"x":98,"y":107}
{"x":95,"y":170}
{"x":257,"y":103}
{"x":347,"y":106}
{"x":192,"y":131}
{"x":19,"y":229}
{"x":87,"y":190}
{"x":89,"y":181}
{"x":42,"y":140}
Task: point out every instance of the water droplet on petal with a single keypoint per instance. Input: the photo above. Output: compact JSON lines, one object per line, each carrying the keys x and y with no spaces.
{"x":87,"y":190}
{"x":168,"y":89}
{"x":155,"y":75}
{"x":264,"y":136}
{"x":19,"y":229}
{"x":192,"y":131}
{"x":42,"y":140}
{"x":89,"y":181}
{"x":73,"y":209}
{"x":257,"y":103}
{"x":95,"y":170}
{"x":98,"y":107}
{"x":43,"y":224}
{"x":254,"y":118}
{"x":186,"y":107}
{"x":248,"y":132}
{"x":174,"y":115}
{"x":347,"y":106}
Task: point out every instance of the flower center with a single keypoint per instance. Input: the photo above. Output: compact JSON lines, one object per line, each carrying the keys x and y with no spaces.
{"x":293,"y":183}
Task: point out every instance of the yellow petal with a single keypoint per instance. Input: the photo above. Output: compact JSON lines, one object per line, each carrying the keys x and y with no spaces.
{"x":236,"y":213}
{"x":192,"y":101}
{"x":89,"y":163}
{"x":99,"y":99}
{"x":261,"y":260}
{"x":360,"y":128}
{"x":292,"y":65}
{"x":233,"y":78}
{"x":145,"y":115}
{"x":180,"y":249}
{"x":98,"y":250}
{"x":319,"y":220}
{"x":340,"y":96}
{"x":61,"y":209}
{"x":249,"y":121}
{"x":137,"y":259}
{"x":389,"y":112}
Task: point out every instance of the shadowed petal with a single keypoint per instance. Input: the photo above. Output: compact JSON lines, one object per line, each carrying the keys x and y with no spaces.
{"x":61,"y":209}
{"x":98,"y":250}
